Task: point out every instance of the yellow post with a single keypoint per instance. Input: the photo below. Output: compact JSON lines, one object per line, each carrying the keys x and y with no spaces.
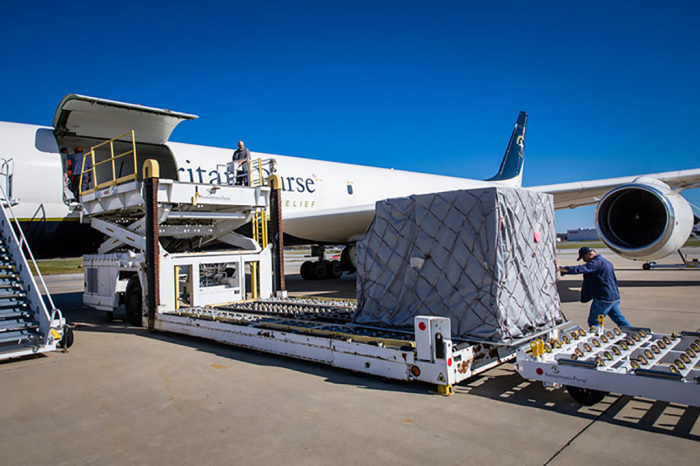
{"x":177,"y":287}
{"x":82,"y":167}
{"x":540,"y":347}
{"x":133,"y":145}
{"x":151,"y":169}
{"x":114,"y":170}
{"x":92,"y":169}
{"x":254,"y":280}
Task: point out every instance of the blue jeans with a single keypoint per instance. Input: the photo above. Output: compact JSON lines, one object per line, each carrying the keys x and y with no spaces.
{"x":606,"y":308}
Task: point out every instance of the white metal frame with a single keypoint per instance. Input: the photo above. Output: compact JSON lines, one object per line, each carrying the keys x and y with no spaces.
{"x":614,"y":366}
{"x":431,"y":357}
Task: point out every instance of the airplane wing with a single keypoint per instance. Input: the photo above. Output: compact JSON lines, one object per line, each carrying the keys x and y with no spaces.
{"x":582,"y":193}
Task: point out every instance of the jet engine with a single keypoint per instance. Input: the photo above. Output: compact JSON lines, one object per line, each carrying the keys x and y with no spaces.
{"x":644,"y":220}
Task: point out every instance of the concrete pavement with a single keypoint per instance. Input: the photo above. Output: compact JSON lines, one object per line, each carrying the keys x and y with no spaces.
{"x":123,"y":395}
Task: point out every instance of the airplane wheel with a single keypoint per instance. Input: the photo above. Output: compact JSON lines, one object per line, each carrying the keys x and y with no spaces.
{"x":345,"y":261}
{"x":646,"y":266}
{"x":319,"y":270}
{"x":134,"y":301}
{"x":68,"y":338}
{"x":585,"y":396}
{"x":334,"y":270}
{"x":305,"y":270}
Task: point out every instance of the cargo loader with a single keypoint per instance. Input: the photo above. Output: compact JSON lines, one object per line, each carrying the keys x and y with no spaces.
{"x":174,"y":262}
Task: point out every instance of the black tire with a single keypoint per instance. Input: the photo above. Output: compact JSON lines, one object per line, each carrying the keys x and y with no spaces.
{"x":586,"y":396}
{"x":134,"y":301}
{"x":345,"y":261}
{"x":334,"y":270}
{"x":68,"y":338}
{"x":109,"y":316}
{"x":319,"y":270}
{"x":646,"y":266}
{"x":305,"y":270}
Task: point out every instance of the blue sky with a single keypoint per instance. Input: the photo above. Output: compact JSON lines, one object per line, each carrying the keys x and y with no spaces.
{"x":611,"y":88}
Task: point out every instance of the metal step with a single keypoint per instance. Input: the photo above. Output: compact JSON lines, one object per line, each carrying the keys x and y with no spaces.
{"x":13,"y":303}
{"x":19,"y":295}
{"x":4,"y":285}
{"x":17,"y":324}
{"x":14,"y":313}
{"x":18,"y":337}
{"x":34,"y":345}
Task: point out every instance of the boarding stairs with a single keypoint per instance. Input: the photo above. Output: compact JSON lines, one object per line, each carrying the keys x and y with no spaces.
{"x":27,"y":325}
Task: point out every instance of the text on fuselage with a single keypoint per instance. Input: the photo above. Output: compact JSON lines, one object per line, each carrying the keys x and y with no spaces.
{"x":221,"y":176}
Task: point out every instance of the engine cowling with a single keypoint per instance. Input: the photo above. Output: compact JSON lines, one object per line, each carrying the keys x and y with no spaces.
{"x":644,"y":220}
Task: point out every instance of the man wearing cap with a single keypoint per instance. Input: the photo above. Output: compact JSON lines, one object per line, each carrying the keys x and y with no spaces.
{"x":599,"y":285}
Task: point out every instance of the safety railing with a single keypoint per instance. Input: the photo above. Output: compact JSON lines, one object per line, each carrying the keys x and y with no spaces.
{"x":112,"y":180}
{"x":7,"y":170}
{"x":259,"y":171}
{"x":253,"y":172}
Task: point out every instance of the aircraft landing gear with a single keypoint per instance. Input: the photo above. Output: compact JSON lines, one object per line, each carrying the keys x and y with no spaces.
{"x":322,"y":269}
{"x":347,"y":258}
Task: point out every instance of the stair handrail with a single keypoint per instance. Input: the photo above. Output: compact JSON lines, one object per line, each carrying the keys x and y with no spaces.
{"x":24,"y":244}
{"x":7,"y":168}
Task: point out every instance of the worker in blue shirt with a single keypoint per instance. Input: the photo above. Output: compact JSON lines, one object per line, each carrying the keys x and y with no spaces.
{"x":599,"y":285}
{"x":79,"y":167}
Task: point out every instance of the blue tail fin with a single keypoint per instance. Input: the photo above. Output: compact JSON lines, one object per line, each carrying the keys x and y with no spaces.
{"x":512,"y":164}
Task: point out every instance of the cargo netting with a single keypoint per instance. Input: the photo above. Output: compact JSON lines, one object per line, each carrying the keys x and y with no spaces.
{"x":483,"y":258}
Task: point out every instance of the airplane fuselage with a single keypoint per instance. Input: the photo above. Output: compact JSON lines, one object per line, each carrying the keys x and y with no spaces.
{"x":314,"y":191}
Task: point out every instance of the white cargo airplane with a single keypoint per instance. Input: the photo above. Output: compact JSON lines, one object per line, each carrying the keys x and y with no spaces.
{"x":639,"y":217}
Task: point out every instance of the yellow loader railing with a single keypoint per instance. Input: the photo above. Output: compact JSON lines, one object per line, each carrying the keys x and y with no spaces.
{"x":112,"y":180}
{"x":260,"y":235}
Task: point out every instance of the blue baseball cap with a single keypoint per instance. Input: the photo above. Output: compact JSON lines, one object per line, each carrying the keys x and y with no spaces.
{"x":583,"y":251}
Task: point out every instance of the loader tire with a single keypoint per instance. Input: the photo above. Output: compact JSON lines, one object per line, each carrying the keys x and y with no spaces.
{"x":134,"y":301}
{"x":586,"y":396}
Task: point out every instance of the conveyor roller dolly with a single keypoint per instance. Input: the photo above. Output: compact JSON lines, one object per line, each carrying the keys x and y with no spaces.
{"x":630,"y":361}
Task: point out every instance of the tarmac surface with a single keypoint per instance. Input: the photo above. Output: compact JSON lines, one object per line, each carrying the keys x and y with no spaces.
{"x":123,"y":395}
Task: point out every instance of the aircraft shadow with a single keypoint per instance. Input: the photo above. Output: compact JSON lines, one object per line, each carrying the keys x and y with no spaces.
{"x":507,"y":386}
{"x":343,"y":287}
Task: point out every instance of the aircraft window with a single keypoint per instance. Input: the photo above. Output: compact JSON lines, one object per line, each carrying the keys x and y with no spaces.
{"x":349,"y":189}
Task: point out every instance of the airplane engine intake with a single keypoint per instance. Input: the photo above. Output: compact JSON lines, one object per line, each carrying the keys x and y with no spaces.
{"x":644,"y":220}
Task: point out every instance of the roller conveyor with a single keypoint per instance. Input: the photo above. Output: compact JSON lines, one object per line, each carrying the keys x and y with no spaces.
{"x":299,"y":315}
{"x":630,"y":361}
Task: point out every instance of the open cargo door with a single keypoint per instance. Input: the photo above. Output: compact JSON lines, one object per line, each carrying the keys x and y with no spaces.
{"x":91,"y":117}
